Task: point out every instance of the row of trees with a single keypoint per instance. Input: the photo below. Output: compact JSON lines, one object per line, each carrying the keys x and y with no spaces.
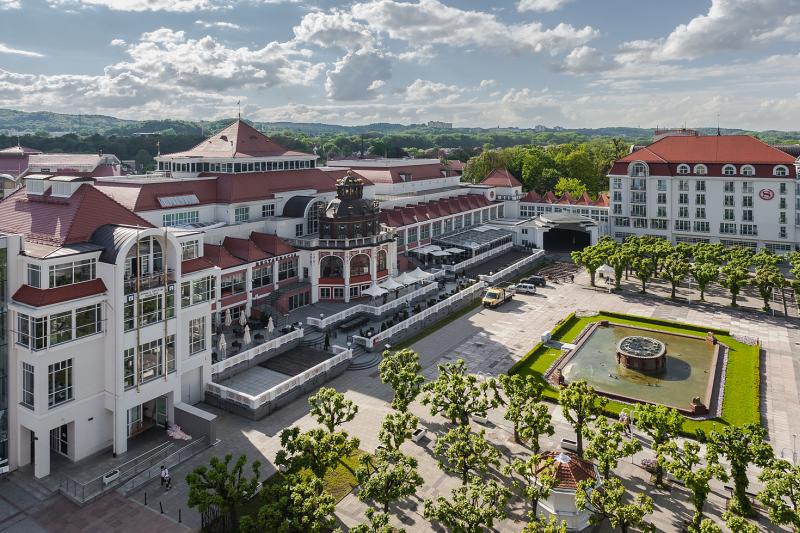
{"x":733,"y":268}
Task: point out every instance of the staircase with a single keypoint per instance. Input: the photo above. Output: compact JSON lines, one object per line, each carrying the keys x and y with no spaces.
{"x":363,"y":359}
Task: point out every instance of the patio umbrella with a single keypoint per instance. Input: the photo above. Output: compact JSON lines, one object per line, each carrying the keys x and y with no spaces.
{"x":222,"y":345}
{"x":242,"y":319}
{"x":246,"y":339}
{"x":390,"y":285}
{"x":374,"y":291}
{"x":228,"y":319}
{"x":270,"y":326}
{"x":405,"y":279}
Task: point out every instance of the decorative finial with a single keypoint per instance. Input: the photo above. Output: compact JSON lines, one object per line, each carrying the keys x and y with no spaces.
{"x":239,"y":107}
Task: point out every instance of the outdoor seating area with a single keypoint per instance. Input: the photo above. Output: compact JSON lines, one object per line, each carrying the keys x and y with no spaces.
{"x":231,"y":337}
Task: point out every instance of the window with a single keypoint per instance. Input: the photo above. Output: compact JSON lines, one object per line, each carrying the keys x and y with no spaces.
{"x":298,"y":230}
{"x":747,"y":187}
{"x":662,"y":198}
{"x":701,"y":226}
{"x":69,"y":273}
{"x":683,"y":185}
{"x":624,"y":222}
{"x":638,"y":184}
{"x":638,"y":170}
{"x":782,"y":217}
{"x":730,"y":186}
{"x":299,"y":300}
{"x":617,"y":209}
{"x":780,"y":170}
{"x":700,"y":199}
{"x":658,"y":223}
{"x":59,"y":383}
{"x":128,"y":367}
{"x":182,"y":218}
{"x":88,"y":320}
{"x":700,"y":186}
{"x":729,"y":200}
{"x":190,"y":250}
{"x":683,"y":211}
{"x":262,"y":276}
{"x":783,"y":188}
{"x":662,"y":185}
{"x":231,"y":284}
{"x":747,"y":215}
{"x":728,"y":214}
{"x":268,"y":210}
{"x":700,"y":212}
{"x":661,"y":212}
{"x":782,"y":203}
{"x":747,"y":201}
{"x":640,"y":223}
{"x":616,"y":183}
{"x":700,"y":170}
{"x":151,"y":361}
{"x":197,"y":335}
{"x":425,"y":231}
{"x":27,"y":385}
{"x":729,"y":170}
{"x":748,"y":229}
{"x":683,"y":169}
{"x":782,"y":232}
{"x":638,"y":210}
{"x":727,"y":228}
{"x":681,"y":225}
{"x":150,"y":310}
{"x":683,"y":198}
{"x":287,"y":269}
{"x":60,"y":328}
{"x":638,"y":197}
{"x":128,"y":315}
{"x":748,"y":170}
{"x":35,"y":276}
{"x":617,"y":196}
{"x":412,"y":235}
{"x":241,"y":214}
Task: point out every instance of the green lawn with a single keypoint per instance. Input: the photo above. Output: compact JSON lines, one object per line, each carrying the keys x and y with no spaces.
{"x":741,"y":402}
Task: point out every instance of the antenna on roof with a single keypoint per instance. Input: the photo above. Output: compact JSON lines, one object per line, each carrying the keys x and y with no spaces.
{"x":239,"y":107}
{"x":718,"y":131}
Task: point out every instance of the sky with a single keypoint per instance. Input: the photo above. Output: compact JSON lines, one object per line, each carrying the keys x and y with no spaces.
{"x":570,"y":63}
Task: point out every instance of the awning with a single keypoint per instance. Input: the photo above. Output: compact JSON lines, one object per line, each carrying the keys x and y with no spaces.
{"x":440,"y":253}
{"x":455,"y":250}
{"x":420,"y":274}
{"x":405,"y":279}
{"x":428,"y":249}
{"x":391,"y":285}
{"x":374,"y":291}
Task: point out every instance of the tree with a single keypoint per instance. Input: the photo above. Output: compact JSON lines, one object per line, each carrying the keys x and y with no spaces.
{"x":619,"y":261}
{"x":661,"y":424}
{"x":396,"y":428}
{"x":607,"y":500}
{"x":739,"y":524}
{"x":524,"y":408}
{"x":463,"y":453}
{"x":765,"y":258}
{"x":573,"y":186}
{"x":579,"y":402}
{"x":458,"y":395}
{"x":222,"y":486}
{"x":608,"y":445}
{"x":376,"y":523}
{"x":684,"y":463}
{"x":674,"y":270}
{"x":705,"y":252}
{"x":544,"y":525}
{"x":708,"y":526}
{"x":767,"y":279}
{"x":591,"y":258}
{"x":471,"y":508}
{"x":781,"y":493}
{"x":645,"y":268}
{"x":703,"y":274}
{"x":734,"y":276}
{"x":316,"y":450}
{"x":299,"y":504}
{"x":535,"y":477}
{"x":741,"y":446}
{"x":387,"y":476}
{"x":400,"y":370}
{"x":330,"y":408}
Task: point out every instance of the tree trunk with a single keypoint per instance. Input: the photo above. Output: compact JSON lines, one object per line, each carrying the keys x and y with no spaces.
{"x":591,"y":277}
{"x":579,"y":438}
{"x":516,"y":434}
{"x":673,"y":291}
{"x":644,"y":286}
{"x":733,"y":299}
{"x":702,"y":293}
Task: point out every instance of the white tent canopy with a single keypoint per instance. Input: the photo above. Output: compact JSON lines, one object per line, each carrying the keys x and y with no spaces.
{"x":440,"y":253}
{"x":605,"y":271}
{"x":405,"y":279}
{"x":429,"y":249}
{"x":374,"y":291}
{"x":420,"y":274}
{"x":390,"y":284}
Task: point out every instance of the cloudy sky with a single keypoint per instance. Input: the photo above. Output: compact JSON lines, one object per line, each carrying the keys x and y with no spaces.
{"x":484,"y":63}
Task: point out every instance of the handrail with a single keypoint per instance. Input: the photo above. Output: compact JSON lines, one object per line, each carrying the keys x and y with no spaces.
{"x":254,"y":402}
{"x":479,"y":258}
{"x":512,"y":268}
{"x":247,"y":355}
{"x":328,"y":321}
{"x":170,"y":461}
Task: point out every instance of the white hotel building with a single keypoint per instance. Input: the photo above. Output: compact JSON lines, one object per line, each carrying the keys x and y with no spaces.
{"x":733,"y":189}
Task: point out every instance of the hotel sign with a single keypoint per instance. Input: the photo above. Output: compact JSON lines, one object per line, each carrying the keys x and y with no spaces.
{"x":766,"y":194}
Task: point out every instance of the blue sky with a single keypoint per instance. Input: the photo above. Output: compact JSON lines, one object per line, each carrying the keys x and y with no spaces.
{"x":572,"y":63}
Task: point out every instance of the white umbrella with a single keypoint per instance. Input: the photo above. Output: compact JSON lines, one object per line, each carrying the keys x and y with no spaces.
{"x":374,"y":291}
{"x":405,"y":279}
{"x":270,"y":326}
{"x":221,"y":344}
{"x":228,"y":319}
{"x":242,"y":319}
{"x":390,"y":284}
{"x":246,"y":339}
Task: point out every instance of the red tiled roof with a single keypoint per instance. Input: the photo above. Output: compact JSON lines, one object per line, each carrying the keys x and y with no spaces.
{"x":233,"y":188}
{"x":602,"y":200}
{"x":195,"y":265}
{"x":549,"y":197}
{"x":220,"y":257}
{"x":144,"y":196}
{"x":237,"y":140}
{"x":403,"y":216}
{"x":710,"y":149}
{"x":244,"y":249}
{"x":501,"y":177}
{"x":570,"y":469}
{"x":42,"y":297}
{"x":59,"y":221}
{"x":455,"y":164}
{"x":532,"y":197}
{"x":566,"y":198}
{"x":272,"y":244}
{"x":392,"y":174}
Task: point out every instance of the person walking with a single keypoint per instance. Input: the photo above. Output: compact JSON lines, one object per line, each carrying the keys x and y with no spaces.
{"x":165,"y":477}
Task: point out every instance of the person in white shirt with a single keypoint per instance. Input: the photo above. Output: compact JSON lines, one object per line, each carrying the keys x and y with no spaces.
{"x":165,"y":478}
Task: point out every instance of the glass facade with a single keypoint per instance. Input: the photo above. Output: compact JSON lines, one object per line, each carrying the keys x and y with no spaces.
{"x":3,"y":356}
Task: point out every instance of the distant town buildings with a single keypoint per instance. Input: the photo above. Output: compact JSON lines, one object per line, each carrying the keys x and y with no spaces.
{"x":440,"y":125}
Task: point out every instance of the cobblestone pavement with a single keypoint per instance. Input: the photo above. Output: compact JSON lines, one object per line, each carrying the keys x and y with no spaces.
{"x":491,"y":341}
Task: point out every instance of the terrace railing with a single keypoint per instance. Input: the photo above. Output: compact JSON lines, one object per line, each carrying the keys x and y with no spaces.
{"x":479,"y":258}
{"x":514,"y":268}
{"x":247,"y":355}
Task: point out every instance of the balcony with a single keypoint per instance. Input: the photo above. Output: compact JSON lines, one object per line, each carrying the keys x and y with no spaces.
{"x":146,"y":282}
{"x":314,"y":242}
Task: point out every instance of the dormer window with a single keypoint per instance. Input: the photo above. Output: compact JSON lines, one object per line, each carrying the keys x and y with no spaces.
{"x":35,"y":186}
{"x":683,"y":169}
{"x":638,"y":170}
{"x":62,"y":189}
{"x":748,"y":170}
{"x":700,"y":170}
{"x":780,"y":171}
{"x":729,"y":170}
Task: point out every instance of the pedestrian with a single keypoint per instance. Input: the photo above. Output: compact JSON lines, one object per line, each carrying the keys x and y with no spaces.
{"x":165,"y":477}
{"x":572,"y":278}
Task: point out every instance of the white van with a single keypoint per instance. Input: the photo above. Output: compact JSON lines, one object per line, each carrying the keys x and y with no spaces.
{"x":525,"y":288}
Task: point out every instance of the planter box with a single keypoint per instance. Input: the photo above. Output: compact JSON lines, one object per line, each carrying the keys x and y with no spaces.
{"x":480,"y":419}
{"x":418,"y":434}
{"x":569,"y":444}
{"x":110,"y":477}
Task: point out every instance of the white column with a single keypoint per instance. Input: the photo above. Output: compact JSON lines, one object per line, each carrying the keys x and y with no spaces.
{"x":346,"y":261}
{"x":373,"y":265}
{"x":41,"y":467}
{"x":275,"y":275}
{"x":120,"y":428}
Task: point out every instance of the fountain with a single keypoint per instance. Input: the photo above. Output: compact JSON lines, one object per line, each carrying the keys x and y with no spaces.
{"x":644,"y":354}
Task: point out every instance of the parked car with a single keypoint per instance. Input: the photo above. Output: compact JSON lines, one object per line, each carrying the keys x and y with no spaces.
{"x":535,"y":280}
{"x":525,"y":288}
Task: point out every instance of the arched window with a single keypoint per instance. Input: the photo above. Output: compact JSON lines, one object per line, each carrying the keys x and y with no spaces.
{"x":748,"y":170}
{"x":683,"y":168}
{"x":638,"y":170}
{"x":312,"y":217}
{"x":700,"y":170}
{"x":331,"y":267}
{"x":729,"y":170}
{"x":381,"y":260}
{"x":359,"y":265}
{"x":780,"y":170}
{"x":151,"y":259}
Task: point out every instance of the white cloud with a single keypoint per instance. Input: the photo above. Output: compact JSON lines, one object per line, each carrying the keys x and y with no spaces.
{"x":118,"y":42}
{"x":10,"y":4}
{"x":5,"y":49}
{"x":430,"y":21}
{"x":485,"y":84}
{"x":540,"y":5}
{"x":431,"y":91}
{"x":584,"y":59}
{"x":177,"y":6}
{"x":218,"y":24}
{"x":354,"y":75}
{"x":335,"y":28}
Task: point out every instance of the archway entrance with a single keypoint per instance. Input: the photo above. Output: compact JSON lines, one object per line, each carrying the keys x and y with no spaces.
{"x":566,"y":239}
